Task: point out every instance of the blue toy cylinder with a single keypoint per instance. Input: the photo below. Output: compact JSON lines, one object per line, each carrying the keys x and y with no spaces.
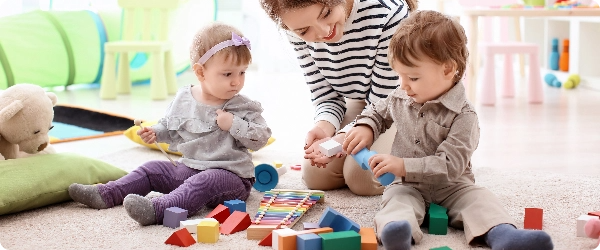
{"x":362,"y":158}
{"x":554,"y":55}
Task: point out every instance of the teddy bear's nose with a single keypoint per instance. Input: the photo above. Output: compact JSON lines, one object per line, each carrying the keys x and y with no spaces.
{"x":42,"y":147}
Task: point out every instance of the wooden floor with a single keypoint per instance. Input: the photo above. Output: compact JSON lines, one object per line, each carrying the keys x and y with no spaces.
{"x":561,"y":135}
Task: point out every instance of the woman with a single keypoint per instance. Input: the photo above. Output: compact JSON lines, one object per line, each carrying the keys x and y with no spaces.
{"x":342,"y":48}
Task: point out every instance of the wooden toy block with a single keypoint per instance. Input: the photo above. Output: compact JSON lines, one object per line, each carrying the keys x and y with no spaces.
{"x":192,"y":225}
{"x":584,"y":218}
{"x":441,"y":248}
{"x":237,"y":221}
{"x":173,"y":216}
{"x":277,"y":233}
{"x":182,"y":238}
{"x":337,"y":221}
{"x":344,"y":240}
{"x":277,"y":164}
{"x":308,"y":242}
{"x":330,"y":147}
{"x":275,"y":207}
{"x":362,"y":158}
{"x":310,"y":225}
{"x":281,"y":170}
{"x":288,"y":241}
{"x":220,"y":213}
{"x":268,"y":240}
{"x":235,"y":205}
{"x":368,"y":240}
{"x":438,"y":220}
{"x":208,"y":231}
{"x":534,"y":218}
{"x":594,"y":213}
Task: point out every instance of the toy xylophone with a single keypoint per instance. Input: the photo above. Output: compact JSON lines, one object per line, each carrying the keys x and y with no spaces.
{"x":281,"y":208}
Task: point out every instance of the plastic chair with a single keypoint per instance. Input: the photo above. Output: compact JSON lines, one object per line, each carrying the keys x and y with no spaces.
{"x":145,"y":29}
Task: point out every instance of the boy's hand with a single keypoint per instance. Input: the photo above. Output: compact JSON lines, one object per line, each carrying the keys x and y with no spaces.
{"x":147,"y":134}
{"x":313,"y":153}
{"x":384,"y":163}
{"x":224,"y":119}
{"x":358,"y":138}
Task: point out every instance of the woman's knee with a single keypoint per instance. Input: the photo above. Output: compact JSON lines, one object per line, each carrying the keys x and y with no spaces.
{"x":322,"y":178}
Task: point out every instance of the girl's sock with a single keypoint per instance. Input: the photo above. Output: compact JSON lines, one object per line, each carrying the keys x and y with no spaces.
{"x":87,"y":195}
{"x":505,"y":236}
{"x":140,"y":209}
{"x":396,"y":235}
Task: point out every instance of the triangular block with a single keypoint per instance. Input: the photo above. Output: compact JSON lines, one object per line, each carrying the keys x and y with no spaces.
{"x":268,"y":240}
{"x":182,"y":238}
{"x":237,"y":221}
{"x":220,"y":213}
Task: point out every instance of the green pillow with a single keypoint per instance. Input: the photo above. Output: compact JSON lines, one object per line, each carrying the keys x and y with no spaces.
{"x":42,"y":180}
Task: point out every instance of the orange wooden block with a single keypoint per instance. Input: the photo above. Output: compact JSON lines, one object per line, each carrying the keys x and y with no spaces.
{"x":368,"y":241}
{"x":237,"y":221}
{"x":220,"y":213}
{"x":182,"y":238}
{"x":288,"y":241}
{"x":533,"y":218}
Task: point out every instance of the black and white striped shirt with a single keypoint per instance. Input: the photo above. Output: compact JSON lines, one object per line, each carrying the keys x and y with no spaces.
{"x":356,"y":67}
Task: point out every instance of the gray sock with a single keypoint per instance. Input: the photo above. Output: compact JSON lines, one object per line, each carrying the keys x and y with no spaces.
{"x":140,"y":209}
{"x":87,"y":195}
{"x":396,"y":235}
{"x":505,"y":236}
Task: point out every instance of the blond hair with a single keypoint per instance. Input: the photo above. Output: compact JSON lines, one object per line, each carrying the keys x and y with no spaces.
{"x":274,"y":8}
{"x":431,"y":34}
{"x":213,"y":34}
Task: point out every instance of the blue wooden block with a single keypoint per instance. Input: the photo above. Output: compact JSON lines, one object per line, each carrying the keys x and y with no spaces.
{"x":308,"y":242}
{"x":173,"y":216}
{"x":235,"y":205}
{"x":337,"y":221}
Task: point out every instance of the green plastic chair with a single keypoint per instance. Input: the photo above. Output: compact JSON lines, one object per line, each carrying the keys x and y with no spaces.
{"x":145,"y":29}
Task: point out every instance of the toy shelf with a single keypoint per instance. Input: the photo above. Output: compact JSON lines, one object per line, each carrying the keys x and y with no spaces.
{"x":583,"y":34}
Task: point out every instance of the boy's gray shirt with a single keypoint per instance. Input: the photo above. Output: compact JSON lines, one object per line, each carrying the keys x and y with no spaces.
{"x":436,"y":139}
{"x":190,"y":127}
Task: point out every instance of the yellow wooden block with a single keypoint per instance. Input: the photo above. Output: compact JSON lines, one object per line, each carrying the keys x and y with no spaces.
{"x":208,"y":232}
{"x":277,"y":164}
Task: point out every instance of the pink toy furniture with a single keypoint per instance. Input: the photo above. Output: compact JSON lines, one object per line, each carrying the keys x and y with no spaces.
{"x":488,"y":78}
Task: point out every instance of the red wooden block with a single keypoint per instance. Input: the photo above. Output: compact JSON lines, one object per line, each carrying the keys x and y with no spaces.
{"x":182,"y":238}
{"x":220,"y":213}
{"x":268,"y":240}
{"x":533,"y":218}
{"x":597,"y":213}
{"x":237,"y":221}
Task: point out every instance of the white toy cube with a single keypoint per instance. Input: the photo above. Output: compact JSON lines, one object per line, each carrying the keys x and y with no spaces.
{"x":581,"y":224}
{"x":330,"y":148}
{"x":192,"y":225}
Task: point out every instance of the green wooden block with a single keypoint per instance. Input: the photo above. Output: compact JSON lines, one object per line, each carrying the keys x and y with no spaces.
{"x":344,"y":240}
{"x":441,"y":248}
{"x":438,"y":220}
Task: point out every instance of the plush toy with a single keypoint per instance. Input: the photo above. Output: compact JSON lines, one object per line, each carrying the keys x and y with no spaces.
{"x":26,"y":114}
{"x":592,"y":228}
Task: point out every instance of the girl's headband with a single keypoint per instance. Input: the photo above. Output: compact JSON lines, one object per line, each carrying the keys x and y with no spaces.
{"x":235,"y":41}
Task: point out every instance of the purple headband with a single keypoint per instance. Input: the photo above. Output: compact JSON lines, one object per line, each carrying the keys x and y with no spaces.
{"x":235,"y":41}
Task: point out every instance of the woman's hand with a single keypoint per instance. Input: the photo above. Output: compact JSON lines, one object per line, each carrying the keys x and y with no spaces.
{"x":224,"y":119}
{"x":317,"y":158}
{"x":358,"y":138}
{"x":147,"y":134}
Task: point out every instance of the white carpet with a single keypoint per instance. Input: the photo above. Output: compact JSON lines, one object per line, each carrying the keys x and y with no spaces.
{"x":73,"y":226}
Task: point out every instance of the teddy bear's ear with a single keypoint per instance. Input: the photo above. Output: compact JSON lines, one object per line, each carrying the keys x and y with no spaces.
{"x":52,"y":97}
{"x":11,"y":110}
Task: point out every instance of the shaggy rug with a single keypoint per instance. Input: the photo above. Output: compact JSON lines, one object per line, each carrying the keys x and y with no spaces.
{"x":73,"y":226}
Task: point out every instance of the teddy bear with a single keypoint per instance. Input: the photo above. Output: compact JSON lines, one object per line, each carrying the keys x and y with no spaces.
{"x":26,"y":114}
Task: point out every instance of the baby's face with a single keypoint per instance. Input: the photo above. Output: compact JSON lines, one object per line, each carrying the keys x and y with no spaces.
{"x":223,"y":78}
{"x":427,"y":81}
